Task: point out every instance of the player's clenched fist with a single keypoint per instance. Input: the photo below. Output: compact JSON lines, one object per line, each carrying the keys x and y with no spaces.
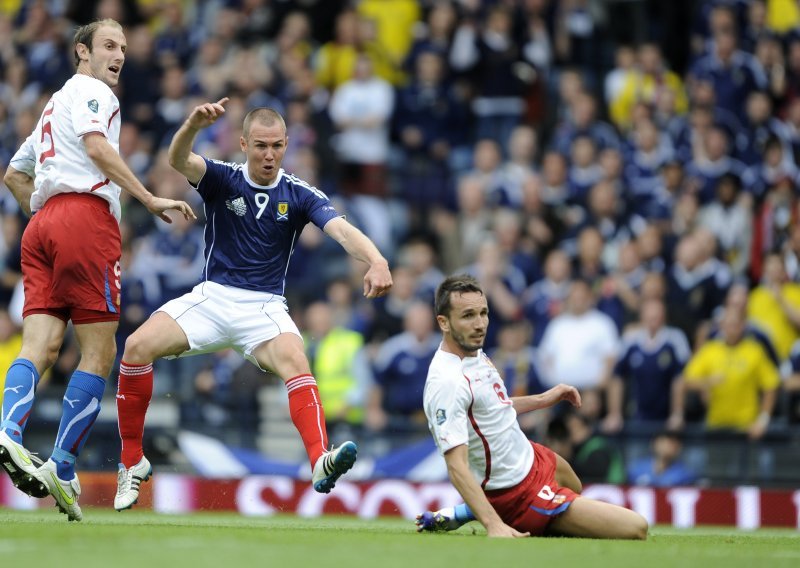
{"x":207,"y":114}
{"x":377,"y":281}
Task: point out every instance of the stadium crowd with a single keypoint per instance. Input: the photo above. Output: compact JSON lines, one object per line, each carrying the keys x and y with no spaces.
{"x":628,"y":201}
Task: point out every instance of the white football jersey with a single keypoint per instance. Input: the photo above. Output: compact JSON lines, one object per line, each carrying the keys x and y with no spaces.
{"x":466,"y":403}
{"x":54,"y":154}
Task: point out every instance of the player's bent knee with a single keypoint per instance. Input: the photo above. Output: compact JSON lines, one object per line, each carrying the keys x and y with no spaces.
{"x":293,"y":363}
{"x":138,"y":349}
{"x":638,"y":527}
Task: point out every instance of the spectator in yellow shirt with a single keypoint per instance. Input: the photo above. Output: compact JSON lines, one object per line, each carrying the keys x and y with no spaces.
{"x":395,"y":21}
{"x":335,"y":62}
{"x":736,"y":378}
{"x":645,"y":85}
{"x":774,"y":306}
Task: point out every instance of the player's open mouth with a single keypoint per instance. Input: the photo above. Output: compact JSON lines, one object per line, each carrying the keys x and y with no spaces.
{"x":114,"y":69}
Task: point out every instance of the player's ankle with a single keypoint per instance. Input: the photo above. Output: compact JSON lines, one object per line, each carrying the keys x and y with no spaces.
{"x":463,"y":514}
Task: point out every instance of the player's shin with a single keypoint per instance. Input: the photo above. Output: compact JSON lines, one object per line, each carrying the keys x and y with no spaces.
{"x":18,"y":395}
{"x":81,"y":405}
{"x":305,"y":408}
{"x":134,"y":391}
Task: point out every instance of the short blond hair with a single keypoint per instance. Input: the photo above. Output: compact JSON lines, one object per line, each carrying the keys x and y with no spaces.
{"x":263,"y":115}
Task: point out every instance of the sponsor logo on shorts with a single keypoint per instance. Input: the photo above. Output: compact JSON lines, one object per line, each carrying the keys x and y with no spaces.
{"x":93,"y":105}
{"x":283,"y":211}
{"x":441,"y":416}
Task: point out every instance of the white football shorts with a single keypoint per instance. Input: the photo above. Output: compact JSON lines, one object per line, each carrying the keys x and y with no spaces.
{"x":216,"y":317}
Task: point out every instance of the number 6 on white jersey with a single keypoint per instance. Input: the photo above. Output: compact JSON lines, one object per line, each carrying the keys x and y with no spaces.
{"x":262,"y":199}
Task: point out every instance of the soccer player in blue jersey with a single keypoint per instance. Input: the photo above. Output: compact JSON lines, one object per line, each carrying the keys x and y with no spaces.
{"x":255,"y":212}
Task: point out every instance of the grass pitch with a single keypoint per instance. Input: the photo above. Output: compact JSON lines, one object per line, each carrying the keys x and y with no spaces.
{"x":145,"y":540}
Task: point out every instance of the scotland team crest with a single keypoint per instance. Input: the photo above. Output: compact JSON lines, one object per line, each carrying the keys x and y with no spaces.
{"x":283,"y":211}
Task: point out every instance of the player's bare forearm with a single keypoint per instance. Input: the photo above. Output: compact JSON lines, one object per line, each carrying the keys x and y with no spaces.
{"x":180,"y":152}
{"x":615,"y":395}
{"x":114,"y":167}
{"x":761,"y":424}
{"x":353,"y":241}
{"x":21,"y":186}
{"x":791,"y":311}
{"x":531,"y":402}
{"x":111,"y":164}
{"x":464,"y":482}
{"x":378,"y":278}
{"x":768,"y":399}
{"x":181,"y":157}
{"x":678,"y":397}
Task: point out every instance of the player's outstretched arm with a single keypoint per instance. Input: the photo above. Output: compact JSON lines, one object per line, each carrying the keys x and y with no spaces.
{"x":21,"y":186}
{"x":180,"y":152}
{"x":378,"y":279}
{"x":20,"y":173}
{"x":108,"y":161}
{"x":464,"y":482}
{"x":548,"y":398}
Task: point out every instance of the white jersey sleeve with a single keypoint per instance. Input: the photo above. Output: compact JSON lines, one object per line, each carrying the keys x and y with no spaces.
{"x":91,"y":111}
{"x":25,"y":159}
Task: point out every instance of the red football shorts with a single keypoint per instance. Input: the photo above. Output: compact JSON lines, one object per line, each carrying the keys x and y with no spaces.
{"x":70,"y":260}
{"x":530,"y":505}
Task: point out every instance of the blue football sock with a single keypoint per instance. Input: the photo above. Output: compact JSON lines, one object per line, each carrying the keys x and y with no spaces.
{"x":18,"y":394}
{"x":463,"y":513}
{"x":81,"y":406}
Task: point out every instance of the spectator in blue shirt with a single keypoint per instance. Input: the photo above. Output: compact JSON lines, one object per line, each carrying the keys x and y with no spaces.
{"x":400,"y":370}
{"x":735,"y":74}
{"x":648,"y":152}
{"x":759,"y":128}
{"x":584,"y":170}
{"x":544,"y":299}
{"x":583,"y":122}
{"x":430,"y":121}
{"x":704,"y":172}
{"x":664,"y":468}
{"x":648,"y":372}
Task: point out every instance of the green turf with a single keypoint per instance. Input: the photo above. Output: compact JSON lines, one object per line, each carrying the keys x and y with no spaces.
{"x":136,"y":538}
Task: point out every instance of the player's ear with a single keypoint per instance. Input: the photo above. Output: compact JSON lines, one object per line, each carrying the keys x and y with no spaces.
{"x":243,"y":144}
{"x":83,"y":51}
{"x":444,"y":325}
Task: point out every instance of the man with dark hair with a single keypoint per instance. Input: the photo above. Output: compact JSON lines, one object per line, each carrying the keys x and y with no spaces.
{"x":664,"y":467}
{"x":255,"y":213}
{"x":514,"y":487}
{"x":69,"y":172}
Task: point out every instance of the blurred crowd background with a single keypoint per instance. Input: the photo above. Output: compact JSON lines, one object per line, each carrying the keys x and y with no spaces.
{"x":627,"y":198}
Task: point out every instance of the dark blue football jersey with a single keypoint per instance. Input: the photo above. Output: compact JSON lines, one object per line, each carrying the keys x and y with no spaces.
{"x":251,"y":230}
